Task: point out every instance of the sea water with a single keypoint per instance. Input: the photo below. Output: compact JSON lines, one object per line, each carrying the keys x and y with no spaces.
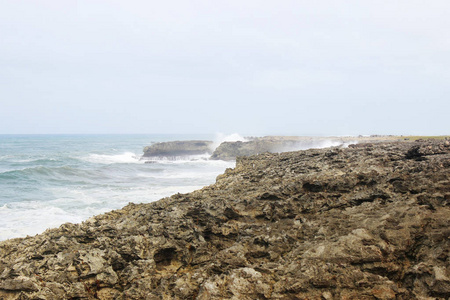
{"x":48,"y":180}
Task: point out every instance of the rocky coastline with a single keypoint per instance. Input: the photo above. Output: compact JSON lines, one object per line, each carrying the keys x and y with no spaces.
{"x":370,"y":221}
{"x":177,"y":148}
{"x":251,"y":146}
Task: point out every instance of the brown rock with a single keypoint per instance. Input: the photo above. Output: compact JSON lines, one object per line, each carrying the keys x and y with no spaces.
{"x":357,"y":223}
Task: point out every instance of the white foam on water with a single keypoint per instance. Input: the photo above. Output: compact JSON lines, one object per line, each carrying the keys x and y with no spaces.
{"x":178,"y":159}
{"x":127,"y":157}
{"x":72,"y":185}
{"x":5,"y":157}
{"x":68,"y":199}
{"x":21,"y":221}
{"x":5,"y":170}
{"x":33,"y":217}
{"x":179,"y":175}
{"x":198,"y":163}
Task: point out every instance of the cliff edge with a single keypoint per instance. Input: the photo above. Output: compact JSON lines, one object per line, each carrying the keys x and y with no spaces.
{"x":252,"y":146}
{"x":366,"y":222}
{"x":275,"y":144}
{"x":177,"y":148}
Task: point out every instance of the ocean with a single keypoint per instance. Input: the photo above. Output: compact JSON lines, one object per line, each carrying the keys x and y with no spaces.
{"x":48,"y":180}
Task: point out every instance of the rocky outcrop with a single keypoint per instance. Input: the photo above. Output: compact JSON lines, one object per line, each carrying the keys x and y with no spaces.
{"x":272,"y":144}
{"x":366,"y":222}
{"x":276,"y":144}
{"x":253,"y":145}
{"x":177,"y":148}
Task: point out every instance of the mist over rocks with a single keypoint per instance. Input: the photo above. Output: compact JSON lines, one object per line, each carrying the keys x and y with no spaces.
{"x":230,"y":147}
{"x":271,"y":144}
{"x":366,"y":222}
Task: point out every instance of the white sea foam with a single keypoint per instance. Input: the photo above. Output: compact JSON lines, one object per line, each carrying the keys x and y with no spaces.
{"x":5,"y":170}
{"x":56,"y":181}
{"x":19,"y":221}
{"x":32,"y":217}
{"x":127,"y":157}
{"x":179,"y":159}
{"x":77,"y":203}
{"x":179,"y":175}
{"x":221,"y":137}
{"x":205,"y":162}
{"x":315,"y":144}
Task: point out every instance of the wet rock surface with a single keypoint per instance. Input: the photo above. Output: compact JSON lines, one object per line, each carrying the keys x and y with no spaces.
{"x":365,"y":222}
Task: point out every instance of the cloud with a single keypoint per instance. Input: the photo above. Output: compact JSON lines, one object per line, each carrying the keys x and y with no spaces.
{"x":198,"y":62}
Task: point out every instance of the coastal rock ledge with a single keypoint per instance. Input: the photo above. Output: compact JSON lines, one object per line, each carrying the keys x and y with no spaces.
{"x":366,"y":222}
{"x":177,"y":148}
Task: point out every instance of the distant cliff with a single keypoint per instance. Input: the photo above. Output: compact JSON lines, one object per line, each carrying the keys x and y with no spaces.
{"x":366,"y":222}
{"x":231,"y":150}
{"x":271,"y":144}
{"x":178,"y":148}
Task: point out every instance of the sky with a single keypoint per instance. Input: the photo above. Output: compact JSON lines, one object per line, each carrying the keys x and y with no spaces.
{"x":253,"y":67}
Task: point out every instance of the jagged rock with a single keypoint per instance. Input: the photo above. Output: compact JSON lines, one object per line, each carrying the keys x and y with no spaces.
{"x":253,"y":145}
{"x":369,"y":222}
{"x":276,"y":144}
{"x":178,"y":148}
{"x":231,"y":150}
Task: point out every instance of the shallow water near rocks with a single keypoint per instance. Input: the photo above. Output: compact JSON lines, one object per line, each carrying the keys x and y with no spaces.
{"x":48,"y":180}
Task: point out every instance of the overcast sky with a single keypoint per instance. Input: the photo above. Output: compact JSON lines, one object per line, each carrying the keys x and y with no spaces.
{"x":253,"y":67}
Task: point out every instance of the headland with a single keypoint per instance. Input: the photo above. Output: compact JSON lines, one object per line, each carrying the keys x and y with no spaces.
{"x":256,"y":145}
{"x":370,"y":221}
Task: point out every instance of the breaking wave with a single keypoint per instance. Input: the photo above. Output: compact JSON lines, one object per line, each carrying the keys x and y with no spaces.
{"x":124,"y":158}
{"x":220,"y":138}
{"x":52,"y":180}
{"x":315,"y":144}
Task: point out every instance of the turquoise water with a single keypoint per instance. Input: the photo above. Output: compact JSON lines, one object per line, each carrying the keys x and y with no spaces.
{"x":48,"y":180}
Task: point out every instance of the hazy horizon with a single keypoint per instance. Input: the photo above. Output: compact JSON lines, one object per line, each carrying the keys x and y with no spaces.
{"x":328,"y":68}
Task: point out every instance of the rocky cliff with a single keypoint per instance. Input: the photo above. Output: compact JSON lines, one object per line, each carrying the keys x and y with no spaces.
{"x":177,"y":148}
{"x":367,"y":222}
{"x":272,"y":144}
{"x":254,"y":145}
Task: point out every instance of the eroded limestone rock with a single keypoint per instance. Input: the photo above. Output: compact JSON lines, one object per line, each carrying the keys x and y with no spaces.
{"x":366,"y":222}
{"x":177,"y":148}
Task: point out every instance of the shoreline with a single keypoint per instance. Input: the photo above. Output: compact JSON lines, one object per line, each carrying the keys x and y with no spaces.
{"x":245,"y":146}
{"x":310,"y":223}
